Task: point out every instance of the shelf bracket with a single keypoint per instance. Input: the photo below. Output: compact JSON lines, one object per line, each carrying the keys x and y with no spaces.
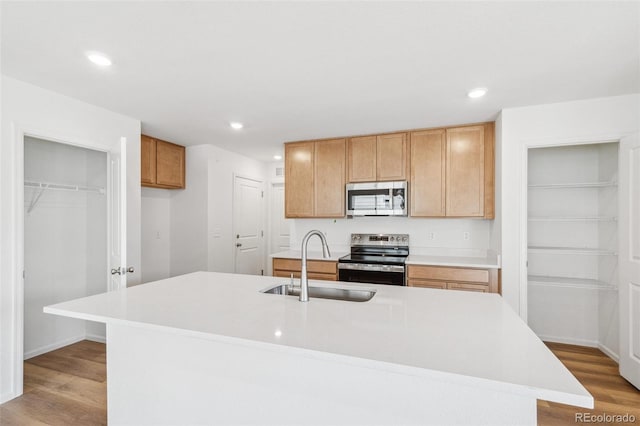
{"x":36,"y":197}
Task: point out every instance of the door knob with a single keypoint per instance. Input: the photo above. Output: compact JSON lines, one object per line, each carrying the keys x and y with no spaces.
{"x":130,"y":270}
{"x":117,"y":271}
{"x":238,"y":245}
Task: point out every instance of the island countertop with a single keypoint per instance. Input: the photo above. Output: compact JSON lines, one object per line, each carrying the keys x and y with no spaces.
{"x":467,"y":338}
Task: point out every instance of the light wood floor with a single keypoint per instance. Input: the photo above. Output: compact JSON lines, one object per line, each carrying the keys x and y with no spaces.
{"x":65,"y":387}
{"x":68,"y":387}
{"x":599,"y":374}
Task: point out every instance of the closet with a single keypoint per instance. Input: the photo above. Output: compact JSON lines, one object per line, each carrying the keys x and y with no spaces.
{"x":572,"y":235}
{"x":65,"y":239}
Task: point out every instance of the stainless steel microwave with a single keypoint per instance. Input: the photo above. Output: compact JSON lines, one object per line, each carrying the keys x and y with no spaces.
{"x":377,"y":199}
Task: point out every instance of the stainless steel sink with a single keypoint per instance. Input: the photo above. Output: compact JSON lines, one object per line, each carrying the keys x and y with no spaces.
{"x":350,"y":295}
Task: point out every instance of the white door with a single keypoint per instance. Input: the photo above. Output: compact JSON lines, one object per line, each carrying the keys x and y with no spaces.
{"x":279,"y":224}
{"x":629,"y":258}
{"x":118,"y":216}
{"x":247,"y":225}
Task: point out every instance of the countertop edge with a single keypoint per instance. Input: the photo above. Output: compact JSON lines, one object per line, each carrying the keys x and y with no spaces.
{"x":584,"y":401}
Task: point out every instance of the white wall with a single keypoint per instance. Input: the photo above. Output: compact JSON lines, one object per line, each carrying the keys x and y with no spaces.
{"x":197,"y":219}
{"x":562,"y":123}
{"x":155,"y":234}
{"x":59,"y":118}
{"x":427,"y":236}
{"x":222,"y":167}
{"x":65,"y":234}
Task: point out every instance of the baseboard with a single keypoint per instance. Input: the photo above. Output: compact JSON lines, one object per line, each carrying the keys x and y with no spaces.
{"x":608,"y":352}
{"x":7,"y":396}
{"x":96,"y":338}
{"x":52,"y":347}
{"x":569,"y":341}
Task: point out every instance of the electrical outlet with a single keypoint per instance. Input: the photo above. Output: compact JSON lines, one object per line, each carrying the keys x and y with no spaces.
{"x":157,"y":235}
{"x":432,"y":235}
{"x":465,"y":235}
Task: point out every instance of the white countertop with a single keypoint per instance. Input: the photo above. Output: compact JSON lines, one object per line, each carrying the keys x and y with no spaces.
{"x":311,"y":255}
{"x":489,"y":261}
{"x":469,"y":338}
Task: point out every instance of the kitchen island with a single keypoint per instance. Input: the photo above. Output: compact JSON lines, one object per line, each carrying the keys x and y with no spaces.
{"x":210,"y":348}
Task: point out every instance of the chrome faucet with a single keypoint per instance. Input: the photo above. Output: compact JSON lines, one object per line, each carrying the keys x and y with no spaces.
{"x":304,"y":282}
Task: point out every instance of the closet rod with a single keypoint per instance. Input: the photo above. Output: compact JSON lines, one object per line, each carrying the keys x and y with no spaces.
{"x":43,"y":186}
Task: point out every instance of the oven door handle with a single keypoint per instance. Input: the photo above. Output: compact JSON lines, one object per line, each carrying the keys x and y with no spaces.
{"x":369,"y":267}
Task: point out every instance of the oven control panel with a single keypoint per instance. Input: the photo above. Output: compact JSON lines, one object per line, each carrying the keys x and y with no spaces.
{"x":385,"y":240}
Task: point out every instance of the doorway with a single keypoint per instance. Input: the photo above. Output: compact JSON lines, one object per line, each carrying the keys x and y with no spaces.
{"x":248,"y":227}
{"x":65,"y":239}
{"x":572,"y":239}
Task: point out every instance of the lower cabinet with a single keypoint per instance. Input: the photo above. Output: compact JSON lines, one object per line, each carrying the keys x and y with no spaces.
{"x":467,"y":279}
{"x":316,"y":269}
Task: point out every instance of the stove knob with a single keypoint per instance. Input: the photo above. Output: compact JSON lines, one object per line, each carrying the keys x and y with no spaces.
{"x":392,"y":238}
{"x":404,"y":239}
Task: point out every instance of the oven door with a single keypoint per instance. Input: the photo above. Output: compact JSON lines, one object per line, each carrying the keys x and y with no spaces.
{"x":375,"y":274}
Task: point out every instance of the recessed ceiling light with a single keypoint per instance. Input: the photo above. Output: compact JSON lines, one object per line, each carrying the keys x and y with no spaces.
{"x":277,"y":157}
{"x":236,"y":125}
{"x":477,"y":93}
{"x":99,"y":59}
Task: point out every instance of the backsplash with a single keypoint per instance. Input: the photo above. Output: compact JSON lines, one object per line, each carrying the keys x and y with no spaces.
{"x":463,"y":236}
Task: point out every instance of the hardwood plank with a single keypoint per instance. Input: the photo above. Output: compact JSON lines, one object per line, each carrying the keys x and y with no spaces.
{"x":76,"y":388}
{"x":53,"y":409}
{"x":78,"y":367}
{"x":87,"y":350}
{"x":597,"y":372}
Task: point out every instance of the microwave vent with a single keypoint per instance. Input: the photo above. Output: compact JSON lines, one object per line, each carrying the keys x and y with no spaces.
{"x":279,"y":171}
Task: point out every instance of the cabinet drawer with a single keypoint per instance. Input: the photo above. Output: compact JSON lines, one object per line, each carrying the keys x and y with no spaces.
{"x":483,"y":288}
{"x":310,"y":275}
{"x":317,"y":266}
{"x":448,"y":274}
{"x":426,"y":284}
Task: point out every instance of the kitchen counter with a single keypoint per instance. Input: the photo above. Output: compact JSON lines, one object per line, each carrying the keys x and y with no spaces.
{"x":461,"y":340}
{"x":311,"y":255}
{"x":489,"y":261}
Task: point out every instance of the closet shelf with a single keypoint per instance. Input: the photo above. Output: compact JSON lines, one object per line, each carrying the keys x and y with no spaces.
{"x":573,"y":219}
{"x":571,"y":250}
{"x":570,"y":282}
{"x":43,"y":186}
{"x":574,"y":185}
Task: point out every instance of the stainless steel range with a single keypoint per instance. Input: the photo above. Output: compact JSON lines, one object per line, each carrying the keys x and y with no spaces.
{"x":375,"y":258}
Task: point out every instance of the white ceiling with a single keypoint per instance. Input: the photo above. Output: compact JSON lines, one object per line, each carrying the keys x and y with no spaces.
{"x":302,"y":70}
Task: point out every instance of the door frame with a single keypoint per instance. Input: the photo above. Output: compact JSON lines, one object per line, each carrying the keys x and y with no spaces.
{"x":523,"y":227}
{"x":234,"y":220}
{"x":17,"y":279}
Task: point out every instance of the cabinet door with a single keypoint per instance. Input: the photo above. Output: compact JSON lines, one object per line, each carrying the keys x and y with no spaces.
{"x":169,"y":164}
{"x":427,"y":187}
{"x":391,"y":157}
{"x":147,"y":160}
{"x":465,"y":172}
{"x":482,"y":288}
{"x":299,"y":175}
{"x":330,"y":159}
{"x":427,"y":284}
{"x":361,"y":159}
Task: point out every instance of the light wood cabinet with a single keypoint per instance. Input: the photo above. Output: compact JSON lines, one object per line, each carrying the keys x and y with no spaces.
{"x":316,"y":269}
{"x":468,"y":279}
{"x":162,"y":164}
{"x":452,"y":172}
{"x":427,"y":188}
{"x":377,"y":158}
{"x":299,"y":175}
{"x":361,"y":163}
{"x":315,"y":174}
{"x":329,"y":169}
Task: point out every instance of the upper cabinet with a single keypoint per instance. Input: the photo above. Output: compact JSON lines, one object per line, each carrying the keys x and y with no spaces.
{"x":427,"y":187}
{"x":452,"y":172}
{"x":162,"y":164}
{"x":315,"y":178}
{"x":377,"y":158}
